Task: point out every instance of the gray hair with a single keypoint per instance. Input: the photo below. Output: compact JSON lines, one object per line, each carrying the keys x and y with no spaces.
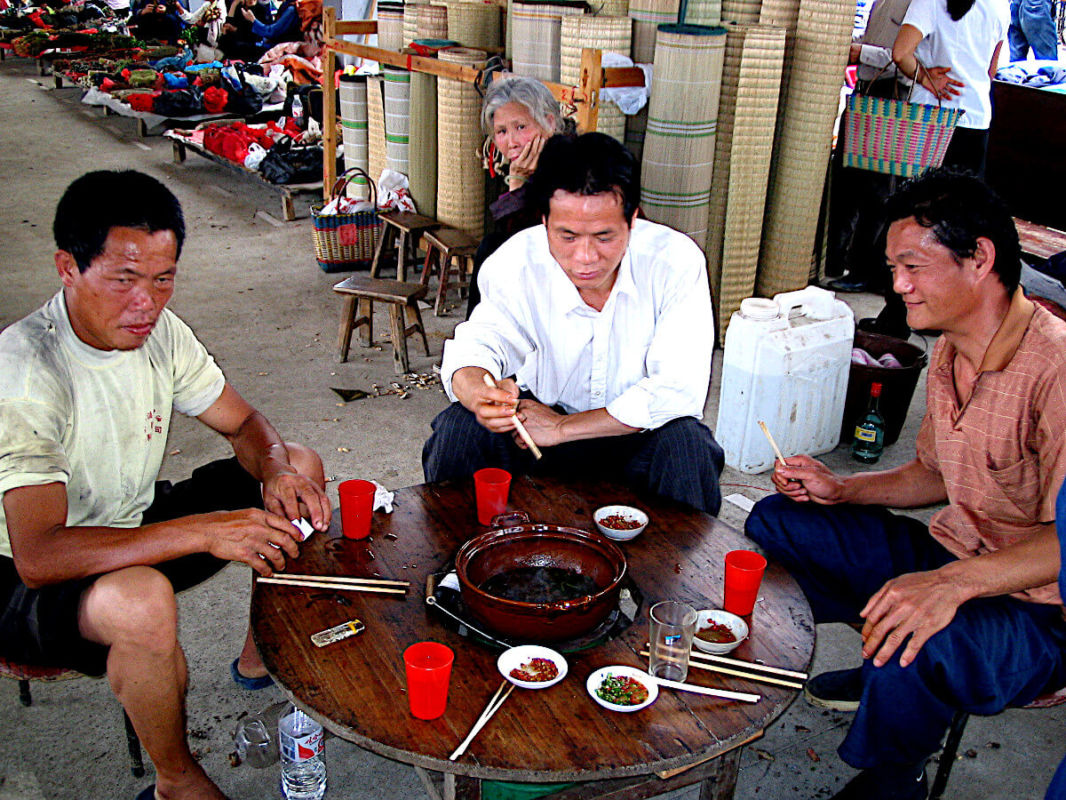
{"x":528,"y":93}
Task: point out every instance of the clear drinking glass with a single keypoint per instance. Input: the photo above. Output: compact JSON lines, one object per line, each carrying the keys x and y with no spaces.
{"x":672,"y":628}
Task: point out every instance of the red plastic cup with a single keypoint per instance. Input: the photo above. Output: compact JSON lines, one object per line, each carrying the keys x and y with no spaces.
{"x":491,"y":486}
{"x":429,"y":668}
{"x":357,"y":506}
{"x":743,"y":574}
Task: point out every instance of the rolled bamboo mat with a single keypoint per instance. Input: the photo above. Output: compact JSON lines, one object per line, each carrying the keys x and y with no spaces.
{"x":432,"y":22}
{"x":535,"y":37}
{"x":460,"y":176}
{"x":682,"y":119}
{"x":354,"y":131}
{"x":474,"y":23}
{"x":647,"y":16}
{"x":609,"y":34}
{"x":423,"y":143}
{"x":410,"y":23}
{"x":810,"y":96}
{"x":375,"y":115}
{"x":745,"y":12}
{"x":609,"y":8}
{"x":702,"y":12}
{"x":751,"y":87}
{"x":397,"y":119}
{"x":390,"y":26}
{"x":636,"y":129}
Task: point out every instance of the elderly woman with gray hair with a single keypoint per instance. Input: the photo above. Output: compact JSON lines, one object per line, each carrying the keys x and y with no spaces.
{"x":518,"y":116}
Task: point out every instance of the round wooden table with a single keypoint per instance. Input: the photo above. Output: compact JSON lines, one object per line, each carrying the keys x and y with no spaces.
{"x":356,"y":687}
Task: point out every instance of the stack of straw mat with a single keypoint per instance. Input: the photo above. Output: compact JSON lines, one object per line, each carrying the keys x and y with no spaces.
{"x":375,"y":114}
{"x":460,"y":176}
{"x":682,"y":120}
{"x":423,"y":149}
{"x":804,"y":136}
{"x":535,"y":36}
{"x":474,"y":23}
{"x":397,"y":118}
{"x":647,"y":16}
{"x":751,"y":85}
{"x":609,"y":34}
{"x":390,"y":25}
{"x":354,"y":131}
{"x":744,"y":12}
{"x":702,"y":12}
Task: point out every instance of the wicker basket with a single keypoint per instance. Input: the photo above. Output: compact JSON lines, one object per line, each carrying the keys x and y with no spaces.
{"x":896,"y":137}
{"x":344,"y":242}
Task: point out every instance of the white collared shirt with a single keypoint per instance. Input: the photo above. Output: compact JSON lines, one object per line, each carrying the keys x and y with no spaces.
{"x":646,"y":357}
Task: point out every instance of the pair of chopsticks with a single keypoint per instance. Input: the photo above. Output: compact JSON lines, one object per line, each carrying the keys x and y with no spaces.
{"x":518,"y":424}
{"x":340,"y":583}
{"x":494,"y":705}
{"x":748,"y":670}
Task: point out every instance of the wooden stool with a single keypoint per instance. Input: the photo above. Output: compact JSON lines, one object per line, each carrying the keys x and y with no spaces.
{"x":451,"y":250}
{"x":408,"y":227}
{"x":400,"y":296}
{"x":24,"y":673}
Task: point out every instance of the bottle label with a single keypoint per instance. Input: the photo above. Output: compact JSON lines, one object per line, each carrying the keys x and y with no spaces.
{"x":865,"y":434}
{"x":295,"y":749}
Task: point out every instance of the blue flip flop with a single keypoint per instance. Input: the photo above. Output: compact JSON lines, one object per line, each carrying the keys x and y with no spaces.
{"x":147,"y":794}
{"x":251,"y":684}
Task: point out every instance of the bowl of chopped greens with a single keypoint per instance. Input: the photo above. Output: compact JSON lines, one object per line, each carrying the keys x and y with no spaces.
{"x":622,"y":688}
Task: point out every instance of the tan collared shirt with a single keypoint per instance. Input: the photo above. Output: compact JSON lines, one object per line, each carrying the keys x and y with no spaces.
{"x":1001,"y":452}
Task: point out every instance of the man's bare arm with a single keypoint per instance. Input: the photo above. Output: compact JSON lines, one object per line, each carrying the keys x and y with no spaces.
{"x":262,"y":453}
{"x":911,"y":485}
{"x":920,"y":604}
{"x":46,"y":550}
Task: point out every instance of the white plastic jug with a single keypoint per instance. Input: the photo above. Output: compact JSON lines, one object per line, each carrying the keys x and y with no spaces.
{"x":786,"y":363}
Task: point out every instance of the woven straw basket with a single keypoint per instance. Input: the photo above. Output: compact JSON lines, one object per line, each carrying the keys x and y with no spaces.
{"x":344,"y":242}
{"x":896,"y":137}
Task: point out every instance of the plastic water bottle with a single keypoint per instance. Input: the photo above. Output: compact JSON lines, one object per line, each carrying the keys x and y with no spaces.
{"x":298,"y":112}
{"x":303,"y":766}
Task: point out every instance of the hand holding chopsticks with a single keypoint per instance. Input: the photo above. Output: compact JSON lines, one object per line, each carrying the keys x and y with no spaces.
{"x":518,"y":424}
{"x":339,"y":582}
{"x":494,"y":705}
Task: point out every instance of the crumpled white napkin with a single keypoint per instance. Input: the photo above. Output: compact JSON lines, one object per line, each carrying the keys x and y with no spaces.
{"x":630,"y":99}
{"x":382,"y":498}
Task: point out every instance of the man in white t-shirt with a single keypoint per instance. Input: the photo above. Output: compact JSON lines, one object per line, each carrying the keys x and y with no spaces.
{"x":92,"y":548}
{"x":597,"y":329}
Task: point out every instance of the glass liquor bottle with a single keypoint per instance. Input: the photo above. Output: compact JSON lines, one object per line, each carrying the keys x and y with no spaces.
{"x":869,"y":439}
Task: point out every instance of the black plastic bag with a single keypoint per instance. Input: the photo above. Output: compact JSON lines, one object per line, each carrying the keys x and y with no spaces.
{"x":179,"y":103}
{"x":286,"y":163}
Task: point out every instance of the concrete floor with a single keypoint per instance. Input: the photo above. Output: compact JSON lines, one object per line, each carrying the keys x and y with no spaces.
{"x":251,"y":289}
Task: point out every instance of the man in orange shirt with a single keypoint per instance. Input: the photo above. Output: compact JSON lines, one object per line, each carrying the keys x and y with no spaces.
{"x":963,"y":613}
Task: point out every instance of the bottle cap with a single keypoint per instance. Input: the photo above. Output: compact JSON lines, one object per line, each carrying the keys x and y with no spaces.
{"x":875,"y":390}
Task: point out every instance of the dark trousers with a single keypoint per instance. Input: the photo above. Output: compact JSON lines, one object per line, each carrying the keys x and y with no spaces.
{"x":681,"y":460}
{"x":996,"y":652}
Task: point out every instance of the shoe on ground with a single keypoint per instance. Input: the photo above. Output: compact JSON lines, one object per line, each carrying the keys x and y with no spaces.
{"x":886,"y":783}
{"x":839,"y":690}
{"x":246,"y":683}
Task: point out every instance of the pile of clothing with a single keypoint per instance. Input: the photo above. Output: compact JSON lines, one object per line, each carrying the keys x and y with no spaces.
{"x":280,"y":151}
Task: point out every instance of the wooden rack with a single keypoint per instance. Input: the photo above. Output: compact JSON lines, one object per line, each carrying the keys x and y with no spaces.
{"x":585,"y":96}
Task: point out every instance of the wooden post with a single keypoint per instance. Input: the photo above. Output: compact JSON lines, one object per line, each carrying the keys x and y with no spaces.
{"x":329,"y":103}
{"x":588,"y":111}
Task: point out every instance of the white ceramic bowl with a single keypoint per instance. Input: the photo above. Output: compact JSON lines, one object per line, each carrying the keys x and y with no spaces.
{"x":517,"y":656}
{"x":737,"y":625}
{"x":625,"y":511}
{"x":596,"y":679}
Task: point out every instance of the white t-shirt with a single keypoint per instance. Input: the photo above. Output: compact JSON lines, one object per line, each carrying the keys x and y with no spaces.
{"x":646,"y":357}
{"x":966,"y":46}
{"x":95,"y":420}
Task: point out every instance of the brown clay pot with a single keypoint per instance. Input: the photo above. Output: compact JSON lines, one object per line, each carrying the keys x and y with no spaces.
{"x":540,"y":545}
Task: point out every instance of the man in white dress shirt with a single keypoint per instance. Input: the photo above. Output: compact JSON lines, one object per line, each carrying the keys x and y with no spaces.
{"x":597,"y":328}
